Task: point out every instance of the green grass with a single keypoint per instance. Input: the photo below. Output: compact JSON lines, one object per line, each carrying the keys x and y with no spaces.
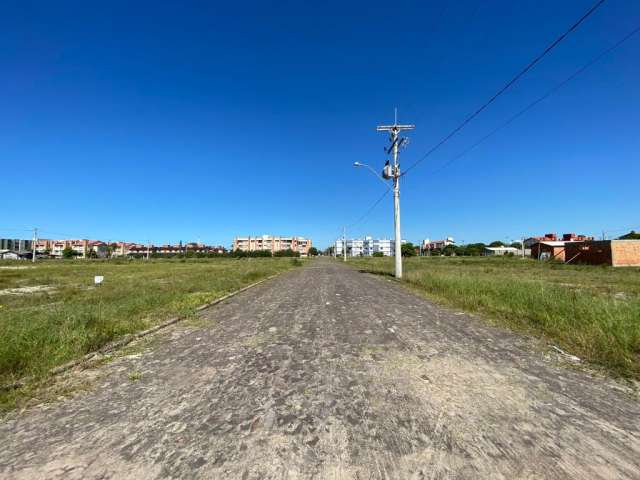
{"x":592,"y":312}
{"x":41,"y":330}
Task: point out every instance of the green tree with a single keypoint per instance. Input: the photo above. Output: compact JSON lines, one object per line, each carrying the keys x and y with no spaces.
{"x":286,"y":253}
{"x":475,"y":249}
{"x":260,"y":253}
{"x":632,"y":235}
{"x":313,"y":252}
{"x":449,"y":250}
{"x":408,"y":250}
{"x":517,"y":245}
{"x":378,"y":254}
{"x":68,"y":252}
{"x":497,"y":243}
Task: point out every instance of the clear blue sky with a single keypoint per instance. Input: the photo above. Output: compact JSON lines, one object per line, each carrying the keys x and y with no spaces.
{"x":176,"y":121}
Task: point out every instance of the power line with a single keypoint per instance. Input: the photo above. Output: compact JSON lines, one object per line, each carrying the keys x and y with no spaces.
{"x":369,"y":210}
{"x":546,"y":95}
{"x":16,"y":229}
{"x":366,"y":213}
{"x":529,"y":66}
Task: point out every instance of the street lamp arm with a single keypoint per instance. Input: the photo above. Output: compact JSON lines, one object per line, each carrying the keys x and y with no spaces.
{"x":358,"y":164}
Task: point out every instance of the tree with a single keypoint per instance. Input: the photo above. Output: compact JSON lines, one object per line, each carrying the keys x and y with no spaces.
{"x":378,"y":254}
{"x":68,"y":252}
{"x":260,"y":253}
{"x":112,"y":249}
{"x":632,"y":235}
{"x":449,"y":250}
{"x":517,"y":245}
{"x":313,"y":252}
{"x":286,"y":253}
{"x":474,"y":249}
{"x":497,"y":243}
{"x":408,"y":250}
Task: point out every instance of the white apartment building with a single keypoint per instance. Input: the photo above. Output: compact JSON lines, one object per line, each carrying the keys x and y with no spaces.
{"x":366,"y":246}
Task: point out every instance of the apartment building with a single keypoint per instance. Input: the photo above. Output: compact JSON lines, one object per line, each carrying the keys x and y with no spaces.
{"x":81,"y":248}
{"x":16,"y":245}
{"x":273,"y":244}
{"x":366,"y":247}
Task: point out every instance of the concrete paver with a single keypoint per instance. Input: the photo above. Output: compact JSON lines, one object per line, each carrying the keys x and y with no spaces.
{"x":350,"y":377}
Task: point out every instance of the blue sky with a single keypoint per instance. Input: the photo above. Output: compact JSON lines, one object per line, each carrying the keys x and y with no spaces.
{"x":168,"y":121}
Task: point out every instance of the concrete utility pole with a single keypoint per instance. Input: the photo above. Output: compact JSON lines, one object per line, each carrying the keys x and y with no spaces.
{"x":396,"y":143}
{"x":35,"y":241}
{"x":344,"y":243}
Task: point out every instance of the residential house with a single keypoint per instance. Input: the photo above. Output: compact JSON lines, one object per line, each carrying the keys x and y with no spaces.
{"x":429,"y":245}
{"x":550,"y":247}
{"x":501,"y":251}
{"x":549,"y":250}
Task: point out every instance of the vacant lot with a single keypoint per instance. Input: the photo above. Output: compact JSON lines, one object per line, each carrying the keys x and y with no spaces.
{"x":593,"y":312}
{"x":51,"y":313}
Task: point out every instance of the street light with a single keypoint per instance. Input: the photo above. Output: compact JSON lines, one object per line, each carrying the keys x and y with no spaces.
{"x":359,"y":164}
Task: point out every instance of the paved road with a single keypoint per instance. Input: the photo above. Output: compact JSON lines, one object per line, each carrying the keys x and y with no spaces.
{"x":328,"y":373}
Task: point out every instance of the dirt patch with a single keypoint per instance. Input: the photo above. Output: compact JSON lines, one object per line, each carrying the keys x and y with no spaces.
{"x":27,"y":290}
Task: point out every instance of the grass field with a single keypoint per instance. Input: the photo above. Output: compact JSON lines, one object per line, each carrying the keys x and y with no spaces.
{"x":592,"y":312}
{"x":51,"y":313}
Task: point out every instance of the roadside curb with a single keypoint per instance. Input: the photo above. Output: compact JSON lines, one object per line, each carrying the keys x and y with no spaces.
{"x":134,"y":336}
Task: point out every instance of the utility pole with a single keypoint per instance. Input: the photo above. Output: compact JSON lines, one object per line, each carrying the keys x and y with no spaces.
{"x":344,"y":243}
{"x":148,"y":249}
{"x":396,"y":143}
{"x":35,"y":241}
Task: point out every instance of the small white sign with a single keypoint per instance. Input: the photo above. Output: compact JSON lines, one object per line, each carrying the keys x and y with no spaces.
{"x":98,"y":279}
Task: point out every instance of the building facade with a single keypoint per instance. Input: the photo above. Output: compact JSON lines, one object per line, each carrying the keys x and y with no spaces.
{"x":428,"y":245}
{"x":552,"y":237}
{"x":170,"y":250}
{"x":16,"y":245}
{"x":366,"y":247}
{"x":501,"y":251}
{"x":617,"y":253}
{"x":273,"y":244}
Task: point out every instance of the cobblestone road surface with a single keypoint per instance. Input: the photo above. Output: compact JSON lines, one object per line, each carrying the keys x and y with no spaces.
{"x":328,"y":373}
